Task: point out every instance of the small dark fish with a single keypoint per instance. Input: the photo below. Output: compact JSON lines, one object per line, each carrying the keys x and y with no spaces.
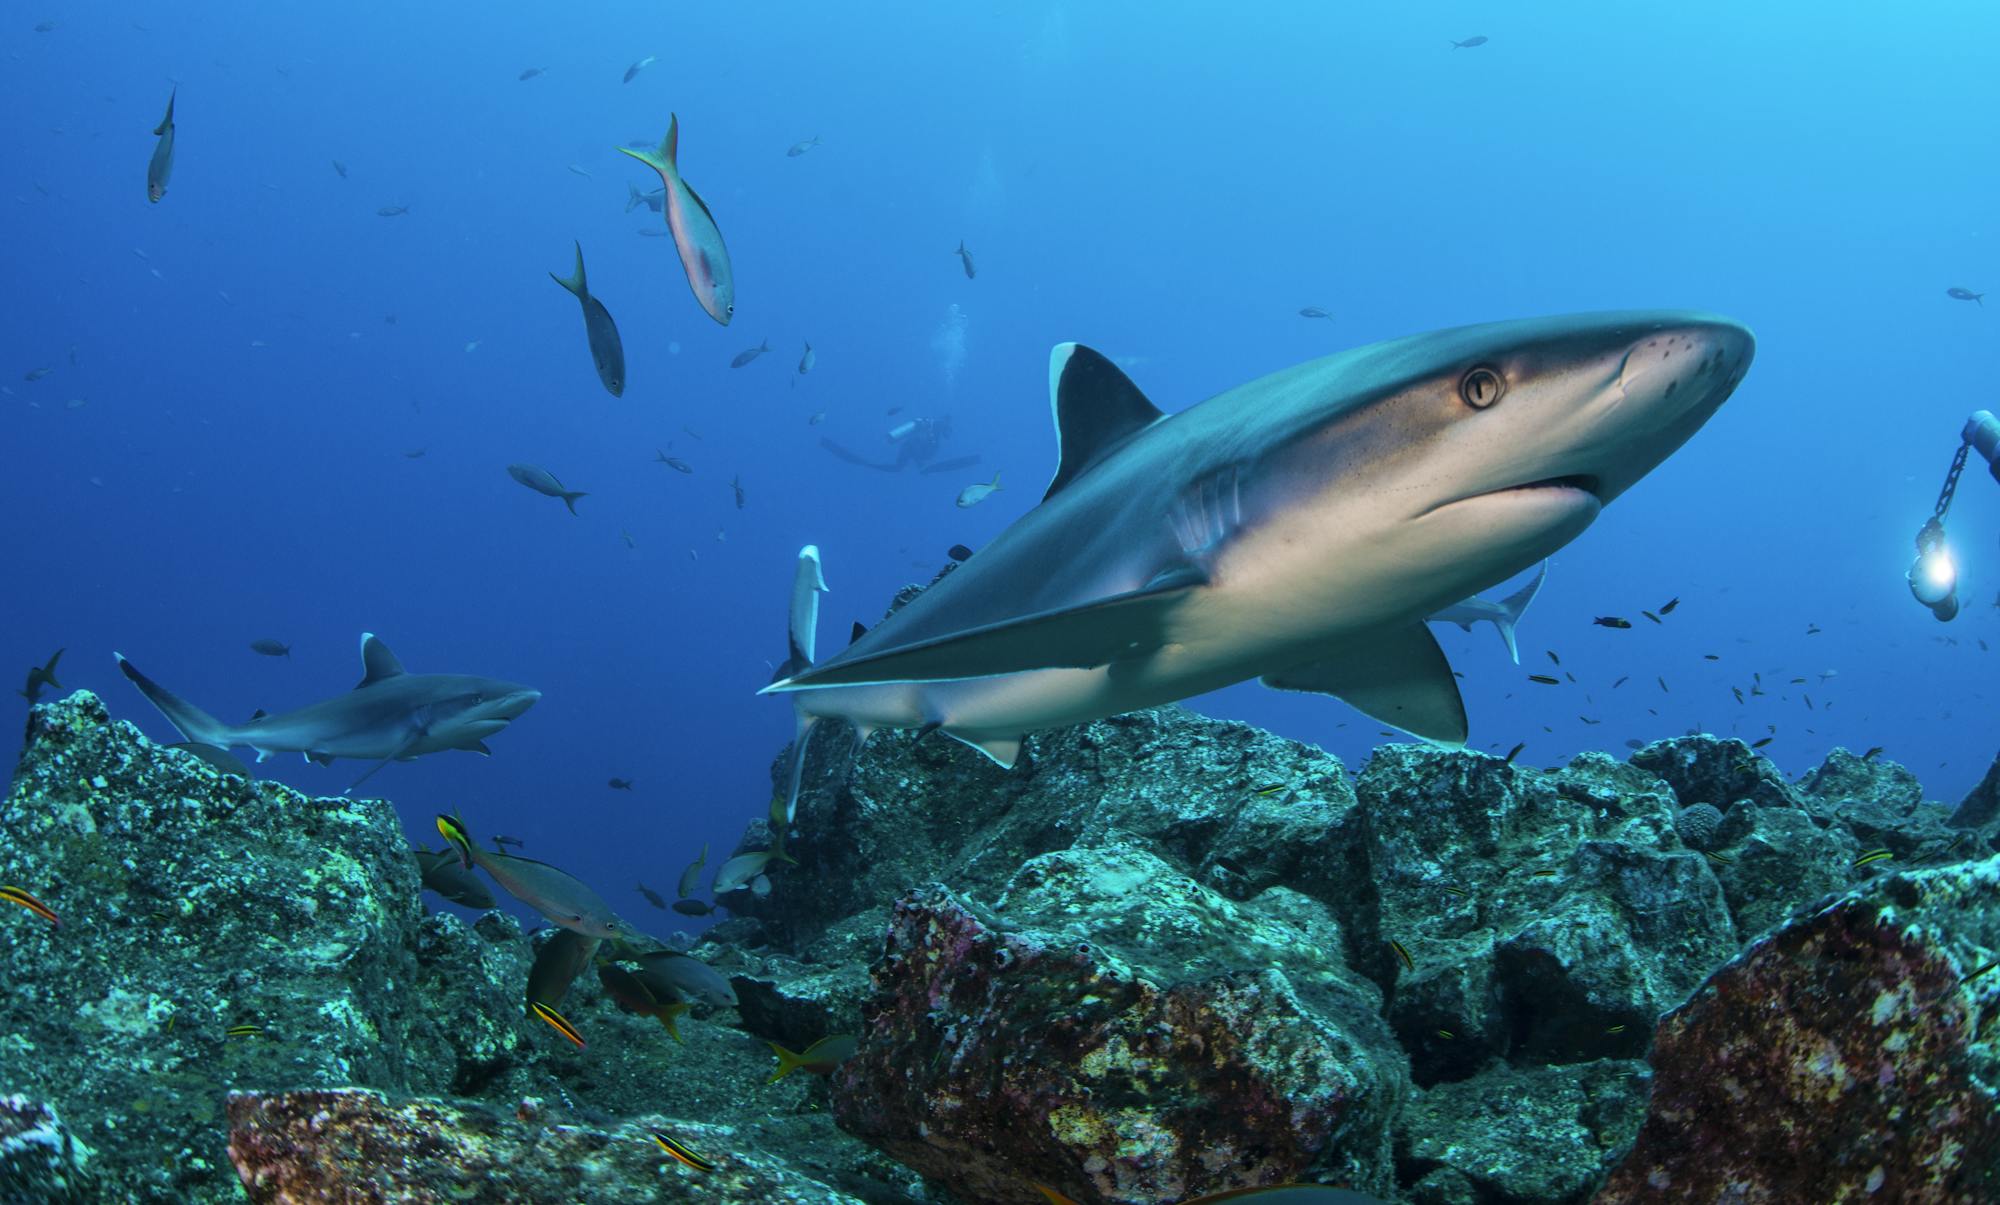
{"x":162,"y":164}
{"x":965,"y":259}
{"x":442,"y":872}
{"x":959,"y":553}
{"x":1469,"y":43}
{"x":1762,"y":741}
{"x":1812,"y":629}
{"x":631,"y":995}
{"x":544,"y":482}
{"x":1543,"y":874}
{"x":1633,"y":742}
{"x":800,"y":148}
{"x":807,"y":360}
{"x":36,"y":374}
{"x":1446,"y":1034}
{"x":1270,"y":788}
{"x":692,"y":908}
{"x":607,"y":350}
{"x":1718,"y":859}
{"x":1313,"y":311}
{"x":745,"y":357}
{"x":1545,"y":680}
{"x":415,"y":453}
{"x":1667,"y":608}
{"x":680,"y":1152}
{"x":673,"y":462}
{"x":1960,"y":294}
{"x":1738,"y":692}
{"x":691,"y":877}
{"x":557,"y":1021}
{"x":1872,"y":856}
{"x":392,"y":211}
{"x":1663,"y":685}
{"x":1873,"y":752}
{"x":340,"y":169}
{"x":1651,"y":616}
{"x":1622,"y":680}
{"x":1553,"y":657}
{"x":244,"y":1031}
{"x":1460,"y":892}
{"x":633,"y":71}
{"x":1976,"y":974}
{"x":1711,"y":656}
{"x":502,"y":842}
{"x":1611,"y":621}
{"x":19,"y":895}
{"x":652,"y":897}
{"x":1514,"y":752}
{"x":820,"y":1058}
{"x":620,"y":784}
{"x":530,"y":73}
{"x":736,"y":484}
{"x":45,"y":26}
{"x":270,"y":648}
{"x":40,"y":676}
{"x":1402,"y":955}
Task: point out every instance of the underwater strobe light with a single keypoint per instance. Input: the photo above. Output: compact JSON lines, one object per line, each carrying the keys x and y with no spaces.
{"x":1934,"y":575}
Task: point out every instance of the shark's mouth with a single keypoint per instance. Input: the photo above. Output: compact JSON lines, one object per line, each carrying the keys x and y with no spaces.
{"x":1580,"y":482}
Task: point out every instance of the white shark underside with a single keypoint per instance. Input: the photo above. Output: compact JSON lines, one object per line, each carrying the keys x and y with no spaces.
{"x":1296,"y":529}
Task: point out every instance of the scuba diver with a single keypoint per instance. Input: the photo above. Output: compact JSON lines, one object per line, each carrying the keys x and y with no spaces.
{"x":917,"y":442}
{"x":1934,"y":576}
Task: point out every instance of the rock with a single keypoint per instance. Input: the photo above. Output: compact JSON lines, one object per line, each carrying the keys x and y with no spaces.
{"x":1545,"y":1135}
{"x":361,"y":1147}
{"x":1879,"y":802}
{"x":1718,"y":772}
{"x":1842,"y":1057}
{"x":1981,"y":807}
{"x":1697,"y":825}
{"x":40,"y":1160}
{"x":1121,"y":1033}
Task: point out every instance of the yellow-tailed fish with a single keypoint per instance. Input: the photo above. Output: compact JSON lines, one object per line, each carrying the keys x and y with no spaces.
{"x":696,"y":237}
{"x":1874,"y":855}
{"x":555,"y":893}
{"x":1403,"y":955}
{"x":557,"y":1021}
{"x":19,"y":896}
{"x":162,"y":164}
{"x":820,"y":1058}
{"x":673,"y":1146}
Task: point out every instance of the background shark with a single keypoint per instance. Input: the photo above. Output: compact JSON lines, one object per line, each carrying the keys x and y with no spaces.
{"x":391,"y":715}
{"x":1297,"y":529}
{"x":1503,"y":615}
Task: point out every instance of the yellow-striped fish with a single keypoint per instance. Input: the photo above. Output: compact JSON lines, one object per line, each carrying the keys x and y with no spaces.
{"x":679,"y":1151}
{"x":557,"y":1021}
{"x":1874,"y":855}
{"x":1718,"y":859}
{"x":1409,"y":964}
{"x":1271,"y":789}
{"x":1545,"y":874}
{"x":243,"y":1031}
{"x":20,"y":896}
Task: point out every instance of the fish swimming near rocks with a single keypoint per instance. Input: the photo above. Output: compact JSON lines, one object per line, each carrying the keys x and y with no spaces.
{"x":161,"y":166}
{"x":607,"y":351}
{"x":441,"y":871}
{"x":555,"y":893}
{"x":1503,"y":615}
{"x":390,"y":715}
{"x":542,"y":481}
{"x":671,"y":976}
{"x":820,"y":1058}
{"x":696,"y":236}
{"x":1298,"y":529}
{"x":691,"y":877}
{"x":41,"y":677}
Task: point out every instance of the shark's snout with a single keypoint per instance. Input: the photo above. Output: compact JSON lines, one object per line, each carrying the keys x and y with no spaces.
{"x":1668,"y":383}
{"x":510,"y":705}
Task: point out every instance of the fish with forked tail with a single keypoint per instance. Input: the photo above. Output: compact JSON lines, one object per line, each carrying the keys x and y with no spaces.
{"x":696,"y":236}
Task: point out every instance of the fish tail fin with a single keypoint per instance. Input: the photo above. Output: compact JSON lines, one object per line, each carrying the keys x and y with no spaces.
{"x":796,"y":771}
{"x":456,"y":835}
{"x":167,"y":122}
{"x":666,"y":1014}
{"x":661,"y":158}
{"x":802,"y":637}
{"x":1513,"y":607}
{"x":633,"y":199}
{"x":193,"y":723}
{"x":1055,"y":1198}
{"x":788,"y":1062}
{"x":569,"y":498}
{"x":577,"y":284}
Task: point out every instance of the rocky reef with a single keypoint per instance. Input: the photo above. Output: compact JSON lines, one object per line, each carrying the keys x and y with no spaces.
{"x":1165,"y":956}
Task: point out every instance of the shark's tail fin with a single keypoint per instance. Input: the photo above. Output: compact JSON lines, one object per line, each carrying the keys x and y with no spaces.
{"x":1513,"y":607}
{"x":802,"y":634}
{"x":194,"y":723}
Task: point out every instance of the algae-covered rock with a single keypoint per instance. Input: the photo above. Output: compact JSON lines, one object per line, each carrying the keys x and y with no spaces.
{"x":1850,"y":1055}
{"x":361,"y":1147}
{"x":1542,"y":1134}
{"x":40,"y":1160}
{"x":1122,"y":1033}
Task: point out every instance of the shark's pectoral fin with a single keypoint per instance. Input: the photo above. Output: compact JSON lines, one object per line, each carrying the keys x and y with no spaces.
{"x":478,"y":747}
{"x":318,"y":759}
{"x":1399,"y":676}
{"x":1004,"y":750}
{"x":1081,"y":637}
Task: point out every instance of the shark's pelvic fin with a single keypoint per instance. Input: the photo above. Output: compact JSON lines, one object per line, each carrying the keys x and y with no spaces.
{"x":1399,"y":676}
{"x":1004,"y":751}
{"x":377,"y":662}
{"x":1097,"y":407}
{"x":1081,"y":637}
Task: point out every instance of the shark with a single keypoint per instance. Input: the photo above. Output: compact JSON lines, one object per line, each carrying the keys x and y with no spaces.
{"x":390,"y":715}
{"x":1503,"y":615}
{"x":1298,"y":529}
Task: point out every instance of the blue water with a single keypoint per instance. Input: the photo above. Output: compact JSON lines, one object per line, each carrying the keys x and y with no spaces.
{"x":1156,"y":180}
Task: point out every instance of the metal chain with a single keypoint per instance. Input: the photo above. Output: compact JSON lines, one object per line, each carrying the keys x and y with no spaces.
{"x":1950,"y":483}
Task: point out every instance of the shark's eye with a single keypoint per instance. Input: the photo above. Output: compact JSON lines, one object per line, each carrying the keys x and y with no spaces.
{"x":1481,"y":387}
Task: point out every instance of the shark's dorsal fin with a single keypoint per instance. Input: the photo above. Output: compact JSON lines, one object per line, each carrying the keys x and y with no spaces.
{"x":377,"y":662}
{"x":1096,"y":407}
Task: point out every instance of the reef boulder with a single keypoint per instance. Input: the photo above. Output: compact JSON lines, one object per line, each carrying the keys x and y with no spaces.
{"x":1850,"y":1055}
